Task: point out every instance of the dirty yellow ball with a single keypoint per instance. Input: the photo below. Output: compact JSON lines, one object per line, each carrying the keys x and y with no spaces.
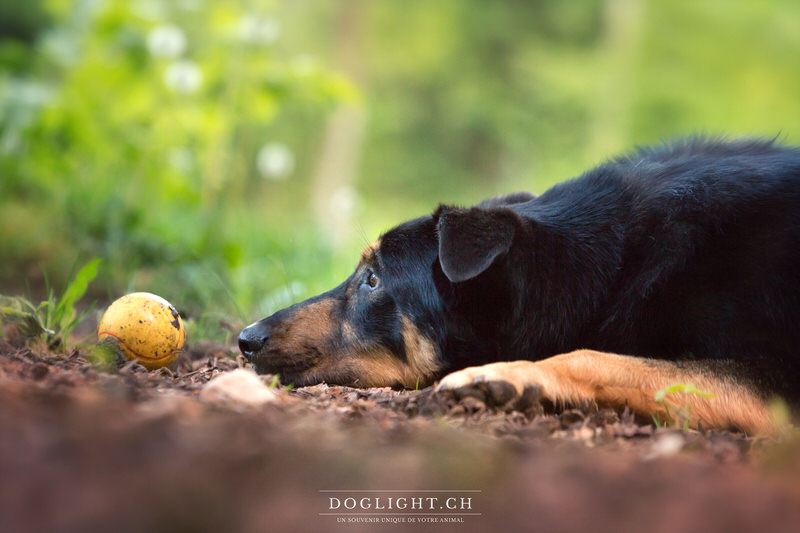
{"x":147,"y":328}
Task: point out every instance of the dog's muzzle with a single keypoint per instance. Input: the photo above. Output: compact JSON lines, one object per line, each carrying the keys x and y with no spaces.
{"x":253,"y":338}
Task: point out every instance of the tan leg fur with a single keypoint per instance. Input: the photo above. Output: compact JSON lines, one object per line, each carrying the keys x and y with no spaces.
{"x":611,"y":380}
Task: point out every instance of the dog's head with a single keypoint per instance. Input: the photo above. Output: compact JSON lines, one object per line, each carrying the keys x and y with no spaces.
{"x":430,"y":295}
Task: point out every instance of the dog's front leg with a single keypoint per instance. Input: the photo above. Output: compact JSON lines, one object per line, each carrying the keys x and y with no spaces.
{"x":610,"y":380}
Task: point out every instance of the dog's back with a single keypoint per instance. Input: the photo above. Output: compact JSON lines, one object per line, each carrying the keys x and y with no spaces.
{"x":692,"y":252}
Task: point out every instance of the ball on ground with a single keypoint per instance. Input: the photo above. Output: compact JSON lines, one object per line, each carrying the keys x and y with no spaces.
{"x":147,"y":328}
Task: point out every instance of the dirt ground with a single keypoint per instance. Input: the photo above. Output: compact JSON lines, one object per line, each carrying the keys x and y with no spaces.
{"x":125,"y":449}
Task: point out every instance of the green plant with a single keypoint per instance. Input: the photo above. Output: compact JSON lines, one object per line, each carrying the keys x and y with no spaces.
{"x":683,"y":415}
{"x":55,"y":318}
{"x":105,"y":355}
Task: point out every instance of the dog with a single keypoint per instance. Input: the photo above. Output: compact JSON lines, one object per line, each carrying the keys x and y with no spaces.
{"x":684,"y":257}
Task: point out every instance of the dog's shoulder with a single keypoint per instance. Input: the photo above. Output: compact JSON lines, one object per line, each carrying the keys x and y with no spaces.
{"x":507,"y":200}
{"x":728,"y":168}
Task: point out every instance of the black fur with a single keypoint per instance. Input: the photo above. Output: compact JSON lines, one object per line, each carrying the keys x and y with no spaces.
{"x":688,"y":251}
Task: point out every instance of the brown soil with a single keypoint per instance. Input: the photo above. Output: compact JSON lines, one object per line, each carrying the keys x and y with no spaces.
{"x":129,"y":450}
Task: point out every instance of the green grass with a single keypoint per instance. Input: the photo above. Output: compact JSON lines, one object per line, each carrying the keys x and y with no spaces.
{"x":54,"y":319}
{"x":681,"y":417}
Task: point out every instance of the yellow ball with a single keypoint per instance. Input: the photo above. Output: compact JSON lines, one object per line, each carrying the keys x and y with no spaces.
{"x":147,"y":328}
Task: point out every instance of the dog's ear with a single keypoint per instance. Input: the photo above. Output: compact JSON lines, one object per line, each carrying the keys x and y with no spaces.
{"x":470,"y":240}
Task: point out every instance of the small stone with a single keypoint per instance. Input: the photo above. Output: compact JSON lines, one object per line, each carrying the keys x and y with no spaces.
{"x":666,"y":445}
{"x":239,"y":386}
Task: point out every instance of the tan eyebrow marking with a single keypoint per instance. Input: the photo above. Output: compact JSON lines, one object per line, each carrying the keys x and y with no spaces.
{"x":368,"y":254}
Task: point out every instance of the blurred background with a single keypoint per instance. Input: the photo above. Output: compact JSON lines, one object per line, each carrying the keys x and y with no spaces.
{"x":234,"y":156}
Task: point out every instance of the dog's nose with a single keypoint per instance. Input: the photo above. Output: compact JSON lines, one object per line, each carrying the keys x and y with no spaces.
{"x":252,"y":339}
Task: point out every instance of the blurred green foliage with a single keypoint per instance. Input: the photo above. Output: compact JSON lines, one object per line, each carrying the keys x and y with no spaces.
{"x":181,"y":140}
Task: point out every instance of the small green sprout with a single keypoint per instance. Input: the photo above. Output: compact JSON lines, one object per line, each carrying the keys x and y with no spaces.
{"x":684,"y":415}
{"x":54,"y":319}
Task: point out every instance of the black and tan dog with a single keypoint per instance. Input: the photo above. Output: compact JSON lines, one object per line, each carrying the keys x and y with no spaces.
{"x":686,"y":257}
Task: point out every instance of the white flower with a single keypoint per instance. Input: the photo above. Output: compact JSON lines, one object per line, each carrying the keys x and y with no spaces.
{"x":275,"y":161}
{"x":61,"y":46}
{"x":149,"y":9}
{"x":259,"y":29}
{"x":24,"y":93}
{"x":167,"y":41}
{"x":346,"y":200}
{"x":190,"y":5}
{"x":181,"y":159}
{"x":183,"y":77}
{"x":10,"y":142}
{"x":303,"y":64}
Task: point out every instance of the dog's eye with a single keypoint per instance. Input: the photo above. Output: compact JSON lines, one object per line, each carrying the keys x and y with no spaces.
{"x":372,"y":280}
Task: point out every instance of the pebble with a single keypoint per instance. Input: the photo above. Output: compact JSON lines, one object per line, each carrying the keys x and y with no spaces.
{"x":238,"y":387}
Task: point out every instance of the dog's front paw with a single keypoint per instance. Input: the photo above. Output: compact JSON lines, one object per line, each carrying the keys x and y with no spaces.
{"x":507,"y":386}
